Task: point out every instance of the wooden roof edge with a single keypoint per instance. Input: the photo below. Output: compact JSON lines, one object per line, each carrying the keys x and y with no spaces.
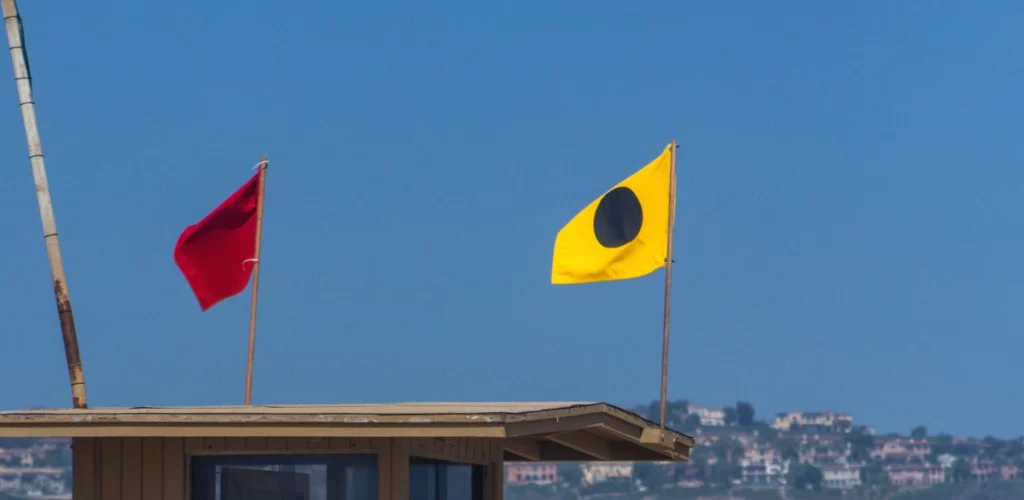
{"x":675,"y":435}
{"x":641,"y":423}
{"x":355,"y":410}
{"x":629,"y":426}
{"x":530,"y":418}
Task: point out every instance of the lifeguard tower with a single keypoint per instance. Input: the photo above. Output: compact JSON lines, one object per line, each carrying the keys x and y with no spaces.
{"x":421,"y":451}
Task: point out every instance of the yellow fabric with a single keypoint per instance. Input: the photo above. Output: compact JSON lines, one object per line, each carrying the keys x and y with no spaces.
{"x":580,"y":258}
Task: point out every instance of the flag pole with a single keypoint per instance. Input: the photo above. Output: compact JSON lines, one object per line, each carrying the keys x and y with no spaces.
{"x":255,"y":280}
{"x":668,"y":284}
{"x":23,"y":80}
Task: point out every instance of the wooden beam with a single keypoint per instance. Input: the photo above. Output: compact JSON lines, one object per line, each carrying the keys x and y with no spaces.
{"x":585,"y":442}
{"x":551,"y":451}
{"x":254,"y":431}
{"x":528,"y":449}
{"x":548,"y":427}
{"x":512,"y":457}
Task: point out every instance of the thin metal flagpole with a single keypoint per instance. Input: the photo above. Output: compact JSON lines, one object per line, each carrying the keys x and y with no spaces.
{"x":255,"y":281}
{"x":23,"y":79}
{"x":668,"y":284}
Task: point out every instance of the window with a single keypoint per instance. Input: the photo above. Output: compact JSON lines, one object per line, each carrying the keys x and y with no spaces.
{"x":439,"y":480}
{"x":285,"y":477}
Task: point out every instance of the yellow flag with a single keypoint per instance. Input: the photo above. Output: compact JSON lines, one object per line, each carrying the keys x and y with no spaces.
{"x":624,"y":233}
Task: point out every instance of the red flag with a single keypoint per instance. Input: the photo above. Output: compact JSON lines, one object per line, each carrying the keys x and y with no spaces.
{"x":215,"y":255}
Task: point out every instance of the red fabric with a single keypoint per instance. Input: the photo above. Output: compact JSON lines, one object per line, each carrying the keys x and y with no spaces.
{"x":213,"y":253}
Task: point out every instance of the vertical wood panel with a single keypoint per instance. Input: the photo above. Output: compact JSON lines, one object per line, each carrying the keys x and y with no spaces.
{"x":131,"y":469}
{"x":397,"y":474}
{"x":496,"y":481}
{"x":485,"y":449}
{"x":152,"y":469}
{"x":83,"y":475}
{"x":497,"y":470}
{"x":174,"y":469}
{"x":110,"y":473}
{"x":382,"y":447}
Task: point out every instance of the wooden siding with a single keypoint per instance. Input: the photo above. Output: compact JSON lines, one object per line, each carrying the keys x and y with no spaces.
{"x":158,"y":468}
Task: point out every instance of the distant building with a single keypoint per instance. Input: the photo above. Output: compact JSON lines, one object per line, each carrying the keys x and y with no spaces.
{"x":713,"y":417}
{"x":841,"y":477}
{"x":760,"y":453}
{"x":822,"y":420}
{"x":900,"y":449}
{"x":707,"y":437}
{"x":824,"y":453}
{"x":916,"y":474}
{"x":596,"y":472}
{"x":520,"y":473}
{"x":762,"y":474}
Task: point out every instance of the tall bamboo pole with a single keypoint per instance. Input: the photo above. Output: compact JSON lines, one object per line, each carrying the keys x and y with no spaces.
{"x":668,"y":286}
{"x":255,"y":281}
{"x":16,"y":41}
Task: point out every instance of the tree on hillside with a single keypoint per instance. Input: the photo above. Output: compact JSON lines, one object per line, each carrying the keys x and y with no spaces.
{"x":744,"y":414}
{"x":961,"y":471}
{"x":919,"y":432}
{"x":678,"y":407}
{"x":993,"y":447}
{"x":1014,"y":449}
{"x":860,"y":444}
{"x":789,"y":449}
{"x":874,"y":475}
{"x":691,"y":423}
{"x":805,"y":476}
{"x":730,"y":415}
{"x":941,"y":444}
{"x":875,"y":482}
{"x":723,"y":473}
{"x":653,"y":411}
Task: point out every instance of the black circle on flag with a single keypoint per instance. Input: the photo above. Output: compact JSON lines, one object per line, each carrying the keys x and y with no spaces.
{"x":618,"y":218}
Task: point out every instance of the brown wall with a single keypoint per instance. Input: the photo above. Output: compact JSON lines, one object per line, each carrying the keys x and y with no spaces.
{"x":158,"y":468}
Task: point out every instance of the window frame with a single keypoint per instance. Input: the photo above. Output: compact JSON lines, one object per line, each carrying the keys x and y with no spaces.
{"x":478,"y":475}
{"x":202,"y":469}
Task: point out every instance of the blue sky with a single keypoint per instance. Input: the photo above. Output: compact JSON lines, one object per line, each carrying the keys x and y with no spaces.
{"x":850,"y":191}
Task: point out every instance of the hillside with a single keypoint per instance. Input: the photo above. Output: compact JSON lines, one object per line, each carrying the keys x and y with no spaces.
{"x":789,"y":456}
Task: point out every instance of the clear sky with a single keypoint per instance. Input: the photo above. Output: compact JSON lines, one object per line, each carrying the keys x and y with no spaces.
{"x":848,"y":236}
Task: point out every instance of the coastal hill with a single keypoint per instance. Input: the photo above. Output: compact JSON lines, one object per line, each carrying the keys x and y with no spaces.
{"x":739,"y":454}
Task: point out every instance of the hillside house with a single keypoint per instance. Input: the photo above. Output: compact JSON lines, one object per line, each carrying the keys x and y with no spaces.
{"x":711,"y":417}
{"x":916,"y":474}
{"x":520,"y":473}
{"x":842,"y":477}
{"x":822,"y":421}
{"x":900,"y":449}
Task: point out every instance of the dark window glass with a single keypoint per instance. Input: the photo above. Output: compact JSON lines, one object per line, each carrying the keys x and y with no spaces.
{"x":285,"y":477}
{"x":439,"y":480}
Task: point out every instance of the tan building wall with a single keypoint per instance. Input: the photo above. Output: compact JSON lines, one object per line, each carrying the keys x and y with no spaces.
{"x":158,"y":468}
